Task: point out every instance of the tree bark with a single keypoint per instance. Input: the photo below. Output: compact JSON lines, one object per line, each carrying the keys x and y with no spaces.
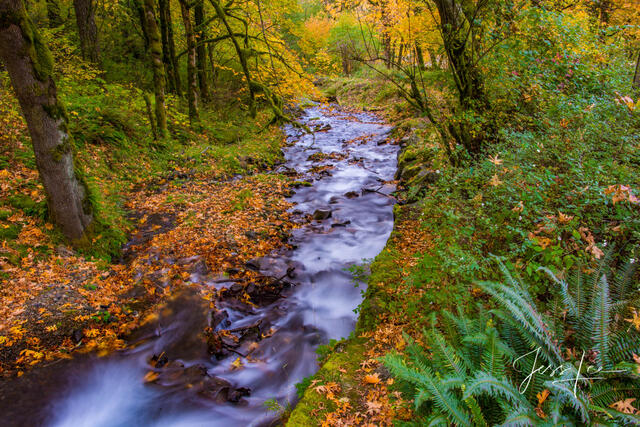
{"x":169,"y":47}
{"x":456,"y":24}
{"x":636,"y":76}
{"x":155,"y":55}
{"x":53,"y":14}
{"x":192,"y":77}
{"x":87,"y":30}
{"x":419,"y":56}
{"x":201,"y":52}
{"x":251,"y":85}
{"x":30,"y":68}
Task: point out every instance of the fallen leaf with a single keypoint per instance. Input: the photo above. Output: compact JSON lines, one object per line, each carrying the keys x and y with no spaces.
{"x":372,"y":379}
{"x":624,"y":406}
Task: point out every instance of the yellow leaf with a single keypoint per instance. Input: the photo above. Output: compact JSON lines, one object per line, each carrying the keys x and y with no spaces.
{"x":151,"y":376}
{"x":635,"y":319}
{"x":372,"y":379}
{"x":237,"y":364}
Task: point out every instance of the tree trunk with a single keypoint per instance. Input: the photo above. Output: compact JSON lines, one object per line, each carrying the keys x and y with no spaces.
{"x":192,"y":77}
{"x":636,"y":76}
{"x":467,"y":76}
{"x":155,"y":54}
{"x":242,"y":57}
{"x":456,"y":23}
{"x":169,"y":47}
{"x":201,"y":52}
{"x":212,"y":64}
{"x":419,"y":56}
{"x":53,"y":14}
{"x":30,"y":68}
{"x":87,"y":30}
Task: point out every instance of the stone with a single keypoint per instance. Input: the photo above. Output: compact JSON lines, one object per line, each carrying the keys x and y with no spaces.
{"x":321,"y":214}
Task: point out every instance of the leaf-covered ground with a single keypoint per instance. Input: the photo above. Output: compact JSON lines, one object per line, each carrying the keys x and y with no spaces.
{"x":188,"y":219}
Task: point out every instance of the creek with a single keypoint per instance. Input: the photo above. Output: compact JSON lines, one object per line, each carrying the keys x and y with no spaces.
{"x":347,"y":164}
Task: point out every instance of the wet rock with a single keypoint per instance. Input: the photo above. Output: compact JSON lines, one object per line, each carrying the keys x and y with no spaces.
{"x":218,"y":390}
{"x":351,"y":194}
{"x":321,"y":214}
{"x":214,"y":345}
{"x":237,"y":394}
{"x":232,"y":270}
{"x":322,"y":128}
{"x":251,"y":288}
{"x":333,"y":200}
{"x":236,"y":288}
{"x":253,"y":264}
{"x":200,"y":267}
{"x":77,"y":335}
{"x":341,"y":224}
{"x":219,"y":318}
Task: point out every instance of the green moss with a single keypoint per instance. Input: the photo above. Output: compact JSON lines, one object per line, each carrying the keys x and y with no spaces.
{"x":28,"y":206}
{"x":61,"y":149}
{"x":347,"y":356}
{"x":11,"y":232}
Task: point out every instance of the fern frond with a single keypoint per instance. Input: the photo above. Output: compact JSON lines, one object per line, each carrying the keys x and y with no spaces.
{"x":476,"y":412}
{"x":446,"y":354}
{"x":603,"y":394}
{"x":484,"y":383}
{"x":576,"y":399}
{"x":446,"y":401}
{"x":437,"y":420}
{"x":521,"y":419}
{"x":528,"y":320}
{"x":623,"y":345}
{"x":621,"y":287}
{"x":568,"y":300}
{"x":600,"y":321}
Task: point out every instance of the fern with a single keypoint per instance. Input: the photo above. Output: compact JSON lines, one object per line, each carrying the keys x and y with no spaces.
{"x":599,"y":320}
{"x":470,"y":378}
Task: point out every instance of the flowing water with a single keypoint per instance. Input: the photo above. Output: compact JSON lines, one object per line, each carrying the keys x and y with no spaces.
{"x":351,"y":202}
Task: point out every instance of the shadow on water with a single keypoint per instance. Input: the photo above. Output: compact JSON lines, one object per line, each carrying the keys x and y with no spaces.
{"x":270,"y":347}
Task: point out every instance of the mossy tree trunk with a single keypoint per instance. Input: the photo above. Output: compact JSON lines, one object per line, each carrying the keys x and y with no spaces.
{"x":169,"y":47}
{"x":457,"y":20}
{"x":87,"y":30}
{"x":192,"y":75}
{"x":636,"y":76}
{"x":54,"y":14}
{"x":201,"y":51}
{"x":155,"y":55}
{"x":30,"y":68}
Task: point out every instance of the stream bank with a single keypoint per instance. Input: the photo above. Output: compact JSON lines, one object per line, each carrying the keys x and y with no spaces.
{"x":224,"y":344}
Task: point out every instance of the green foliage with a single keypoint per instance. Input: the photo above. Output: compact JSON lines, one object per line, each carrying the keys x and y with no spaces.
{"x":490,"y":367}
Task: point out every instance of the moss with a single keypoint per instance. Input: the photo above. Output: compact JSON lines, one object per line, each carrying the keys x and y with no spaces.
{"x":11,"y":232}
{"x":347,"y":356}
{"x":28,"y":205}
{"x":57,"y":111}
{"x":61,"y":149}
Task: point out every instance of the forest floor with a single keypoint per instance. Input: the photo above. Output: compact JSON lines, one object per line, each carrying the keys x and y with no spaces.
{"x":196,"y":210}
